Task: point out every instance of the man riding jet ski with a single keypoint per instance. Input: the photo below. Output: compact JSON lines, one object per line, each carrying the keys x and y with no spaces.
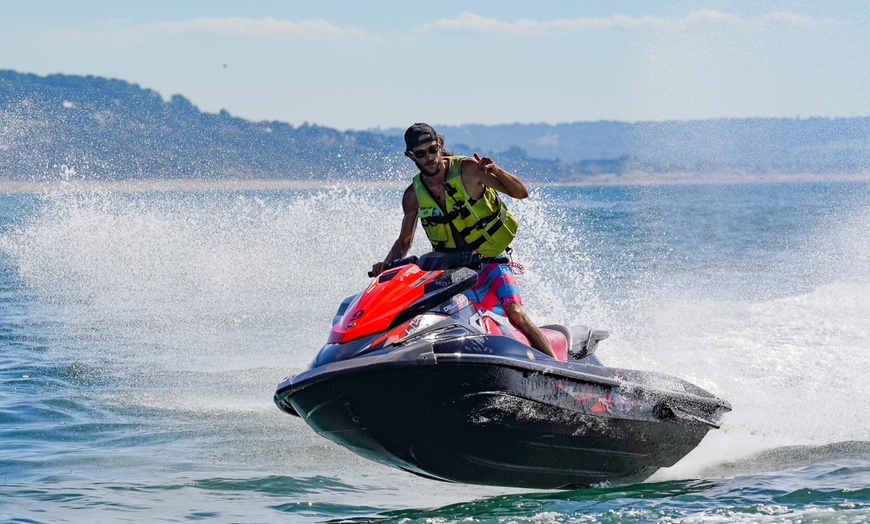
{"x":433,"y":368}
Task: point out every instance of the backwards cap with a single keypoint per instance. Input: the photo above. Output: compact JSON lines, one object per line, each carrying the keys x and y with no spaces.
{"x":419,"y":133}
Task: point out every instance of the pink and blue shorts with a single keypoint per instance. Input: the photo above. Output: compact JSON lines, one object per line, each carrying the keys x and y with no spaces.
{"x":496,"y":287}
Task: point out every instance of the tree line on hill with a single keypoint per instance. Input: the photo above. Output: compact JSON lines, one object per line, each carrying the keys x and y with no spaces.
{"x":113,"y":130}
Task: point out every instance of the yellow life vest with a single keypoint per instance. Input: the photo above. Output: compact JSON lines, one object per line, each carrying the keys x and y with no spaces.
{"x":484,"y":224}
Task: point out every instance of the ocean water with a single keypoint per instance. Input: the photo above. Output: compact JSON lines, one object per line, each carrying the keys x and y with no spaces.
{"x":143,"y":335}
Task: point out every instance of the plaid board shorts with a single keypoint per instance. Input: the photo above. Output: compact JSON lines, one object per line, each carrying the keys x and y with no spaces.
{"x":496,"y":286}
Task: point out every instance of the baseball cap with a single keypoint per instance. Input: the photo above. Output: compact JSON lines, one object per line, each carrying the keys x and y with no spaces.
{"x":419,"y":133}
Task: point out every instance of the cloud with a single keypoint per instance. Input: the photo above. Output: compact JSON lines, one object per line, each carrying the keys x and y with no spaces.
{"x":471,"y":23}
{"x":266,"y":27}
{"x":256,"y":28}
{"x":758,"y":23}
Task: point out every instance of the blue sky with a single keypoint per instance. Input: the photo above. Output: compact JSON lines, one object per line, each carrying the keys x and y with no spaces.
{"x":361,"y":65}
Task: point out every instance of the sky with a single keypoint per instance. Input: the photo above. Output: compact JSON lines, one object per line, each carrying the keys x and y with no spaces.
{"x":387,"y":64}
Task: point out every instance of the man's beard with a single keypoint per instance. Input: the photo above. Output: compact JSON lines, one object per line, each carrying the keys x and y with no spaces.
{"x":438,"y":167}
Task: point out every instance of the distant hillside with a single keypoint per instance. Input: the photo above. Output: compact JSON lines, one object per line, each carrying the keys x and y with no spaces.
{"x":110,"y":129}
{"x":811,"y":145}
{"x":115,"y":130}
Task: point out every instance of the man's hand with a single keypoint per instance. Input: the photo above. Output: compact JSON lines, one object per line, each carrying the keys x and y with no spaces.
{"x":485,"y":164}
{"x":377,"y":269}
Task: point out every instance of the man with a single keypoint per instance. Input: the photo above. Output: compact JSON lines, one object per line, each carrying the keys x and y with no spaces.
{"x":455,"y":198}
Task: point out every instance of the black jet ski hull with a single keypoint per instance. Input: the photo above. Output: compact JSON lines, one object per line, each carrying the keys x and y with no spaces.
{"x":487,"y":419}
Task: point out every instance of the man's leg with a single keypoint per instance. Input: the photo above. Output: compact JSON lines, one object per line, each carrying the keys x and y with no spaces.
{"x":496,"y":285}
{"x":518,"y":317}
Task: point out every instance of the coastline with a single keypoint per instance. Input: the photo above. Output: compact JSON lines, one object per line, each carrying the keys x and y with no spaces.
{"x":632,"y":179}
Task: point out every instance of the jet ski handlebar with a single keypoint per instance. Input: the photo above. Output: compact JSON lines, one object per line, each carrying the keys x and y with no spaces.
{"x":434,"y":261}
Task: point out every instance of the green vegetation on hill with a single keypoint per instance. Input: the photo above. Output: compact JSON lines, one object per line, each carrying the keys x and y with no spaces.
{"x":110,"y":129}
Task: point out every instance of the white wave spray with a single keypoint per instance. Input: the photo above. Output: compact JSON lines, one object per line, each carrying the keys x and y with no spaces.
{"x":174,"y":294}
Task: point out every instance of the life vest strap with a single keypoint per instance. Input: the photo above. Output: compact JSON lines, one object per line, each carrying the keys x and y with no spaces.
{"x":486,"y":235}
{"x":487,"y":226}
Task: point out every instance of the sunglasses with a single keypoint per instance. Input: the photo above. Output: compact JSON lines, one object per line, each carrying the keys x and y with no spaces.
{"x":423,"y":153}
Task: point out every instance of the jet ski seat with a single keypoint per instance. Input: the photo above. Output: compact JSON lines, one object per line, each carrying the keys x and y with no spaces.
{"x":558,"y":336}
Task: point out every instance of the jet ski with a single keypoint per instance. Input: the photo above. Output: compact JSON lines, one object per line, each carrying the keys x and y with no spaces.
{"x":414,"y":375}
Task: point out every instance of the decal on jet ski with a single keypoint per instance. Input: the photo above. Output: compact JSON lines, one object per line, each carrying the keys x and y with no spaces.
{"x":599,"y":400}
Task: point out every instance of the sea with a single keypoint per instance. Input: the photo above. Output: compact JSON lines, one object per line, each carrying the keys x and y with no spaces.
{"x":143,"y":333}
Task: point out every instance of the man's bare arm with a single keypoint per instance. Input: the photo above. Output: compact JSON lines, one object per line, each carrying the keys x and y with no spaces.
{"x":484,"y":172}
{"x":406,"y":233}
